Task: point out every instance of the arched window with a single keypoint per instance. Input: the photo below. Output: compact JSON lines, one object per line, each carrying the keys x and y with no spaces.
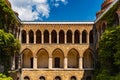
{"x":58,"y":58}
{"x":88,"y":60}
{"x":31,"y":36}
{"x":84,"y":36}
{"x":46,"y":36}
{"x":77,"y":37}
{"x":73,"y":59}
{"x":27,"y":59}
{"x":26,"y":78}
{"x":73,"y":78}
{"x":23,"y":36}
{"x":91,"y":39}
{"x":42,"y":78}
{"x":69,"y":36}
{"x":57,"y":78}
{"x":54,"y":36}
{"x":38,"y":36}
{"x":61,"y":36}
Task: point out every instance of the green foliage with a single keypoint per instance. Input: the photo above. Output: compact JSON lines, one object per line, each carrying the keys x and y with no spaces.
{"x":109,"y":55}
{"x":4,"y":77}
{"x":110,"y":15}
{"x":7,"y":17}
{"x":8,"y":46}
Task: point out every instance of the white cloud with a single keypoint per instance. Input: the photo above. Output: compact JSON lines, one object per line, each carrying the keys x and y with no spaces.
{"x":56,"y":4}
{"x":41,"y":8}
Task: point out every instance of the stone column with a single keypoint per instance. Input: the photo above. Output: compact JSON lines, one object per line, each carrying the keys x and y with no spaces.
{"x":42,"y":38}
{"x":65,"y":38}
{"x":65,"y":63}
{"x":50,"y":38}
{"x":27,"y":38}
{"x":20,"y":61}
{"x":57,"y":38}
{"x":13,"y":62}
{"x":73,"y":38}
{"x":80,"y":38}
{"x":81,"y":63}
{"x":34,"y":62}
{"x":88,"y":38}
{"x":50,"y":63}
{"x":34,"y":38}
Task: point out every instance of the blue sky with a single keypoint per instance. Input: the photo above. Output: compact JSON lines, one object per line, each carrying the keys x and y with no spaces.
{"x":57,"y":10}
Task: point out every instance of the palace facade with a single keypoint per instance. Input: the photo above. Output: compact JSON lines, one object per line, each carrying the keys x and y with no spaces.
{"x":57,"y":50}
{"x":63,"y":50}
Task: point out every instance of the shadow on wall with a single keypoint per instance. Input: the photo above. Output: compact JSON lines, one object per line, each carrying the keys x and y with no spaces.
{"x":88,"y":75}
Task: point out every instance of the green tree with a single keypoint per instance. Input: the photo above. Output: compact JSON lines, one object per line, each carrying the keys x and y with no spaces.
{"x":8,"y":47}
{"x":7,"y":17}
{"x":108,"y":66}
{"x":4,"y":77}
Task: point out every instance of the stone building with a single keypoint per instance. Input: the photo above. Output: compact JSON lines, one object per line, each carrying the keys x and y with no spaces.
{"x":57,"y":50}
{"x":63,"y":50}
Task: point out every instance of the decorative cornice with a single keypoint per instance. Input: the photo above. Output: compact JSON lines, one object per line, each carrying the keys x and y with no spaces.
{"x":57,"y":22}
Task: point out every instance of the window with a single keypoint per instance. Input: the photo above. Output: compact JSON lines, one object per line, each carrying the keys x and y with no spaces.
{"x":57,"y":78}
{"x":54,"y":36}
{"x":69,"y":36}
{"x":77,"y":37}
{"x":42,"y":78}
{"x":31,"y":36}
{"x":84,"y":37}
{"x":38,"y":36}
{"x":61,"y":36}
{"x":57,"y":62}
{"x":73,"y":78}
{"x":26,"y":78}
{"x":46,"y":36}
{"x":23,"y":36}
{"x":91,"y":36}
{"x":31,"y":62}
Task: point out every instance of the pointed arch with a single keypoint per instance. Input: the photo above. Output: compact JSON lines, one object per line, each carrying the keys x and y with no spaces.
{"x":38,"y":36}
{"x":26,"y":78}
{"x":54,"y":36}
{"x":91,"y":38}
{"x":73,"y":78}
{"x":57,"y":78}
{"x":73,"y":58}
{"x":58,"y":58}
{"x":76,"y":36}
{"x":69,"y":36}
{"x":42,"y":78}
{"x":27,"y":58}
{"x":46,"y":36}
{"x":84,"y":36}
{"x":42,"y":58}
{"x":31,"y":36}
{"x":88,"y":59}
{"x":23,"y":36}
{"x":61,"y":37}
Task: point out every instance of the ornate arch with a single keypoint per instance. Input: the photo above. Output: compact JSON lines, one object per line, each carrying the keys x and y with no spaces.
{"x":42,"y":58}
